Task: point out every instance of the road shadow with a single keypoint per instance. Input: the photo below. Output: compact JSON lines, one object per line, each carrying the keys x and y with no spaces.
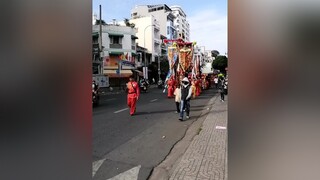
{"x":204,"y":97}
{"x":153,"y":112}
{"x":199,"y":106}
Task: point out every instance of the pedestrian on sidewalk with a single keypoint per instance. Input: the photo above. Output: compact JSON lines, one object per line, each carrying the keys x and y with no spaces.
{"x":222,"y":89}
{"x":133,"y":94}
{"x":177,"y":93}
{"x":216,"y":80}
{"x":186,"y":93}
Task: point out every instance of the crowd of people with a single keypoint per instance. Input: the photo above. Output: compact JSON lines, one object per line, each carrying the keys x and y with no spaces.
{"x":182,"y":92}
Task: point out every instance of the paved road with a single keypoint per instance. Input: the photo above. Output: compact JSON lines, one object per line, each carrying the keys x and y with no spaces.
{"x":136,"y":144}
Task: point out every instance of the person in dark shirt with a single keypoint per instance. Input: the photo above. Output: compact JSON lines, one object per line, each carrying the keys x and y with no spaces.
{"x":186,"y":93}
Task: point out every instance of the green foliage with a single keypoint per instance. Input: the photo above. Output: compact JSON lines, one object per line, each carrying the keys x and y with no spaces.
{"x":215,"y":53}
{"x":127,"y":22}
{"x":102,"y":22}
{"x":220,"y":63}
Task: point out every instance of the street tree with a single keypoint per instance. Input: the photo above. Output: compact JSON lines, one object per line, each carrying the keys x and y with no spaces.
{"x":215,"y":53}
{"x":127,"y":22}
{"x":220,"y":63}
{"x":102,"y":22}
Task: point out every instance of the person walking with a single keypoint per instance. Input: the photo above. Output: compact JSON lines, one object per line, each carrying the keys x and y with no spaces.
{"x":186,"y":93}
{"x":133,"y":91}
{"x":222,"y":89}
{"x":193,"y":88}
{"x":177,"y":93}
{"x":216,"y":80}
{"x":171,"y":89}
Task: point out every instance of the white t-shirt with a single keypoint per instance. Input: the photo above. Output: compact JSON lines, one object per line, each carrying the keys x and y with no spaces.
{"x":177,"y":93}
{"x":216,"y":80}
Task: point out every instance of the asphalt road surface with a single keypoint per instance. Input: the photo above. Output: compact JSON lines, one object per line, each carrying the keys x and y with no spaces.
{"x":127,"y":146}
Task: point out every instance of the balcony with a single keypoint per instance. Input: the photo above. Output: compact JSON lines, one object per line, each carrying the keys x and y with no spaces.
{"x":157,"y":41}
{"x":116,"y":46}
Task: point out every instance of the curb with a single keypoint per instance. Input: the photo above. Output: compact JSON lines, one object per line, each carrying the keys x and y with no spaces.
{"x":165,"y":169}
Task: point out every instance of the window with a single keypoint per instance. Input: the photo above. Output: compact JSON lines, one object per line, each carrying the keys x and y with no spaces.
{"x":115,"y":40}
{"x":168,"y":30}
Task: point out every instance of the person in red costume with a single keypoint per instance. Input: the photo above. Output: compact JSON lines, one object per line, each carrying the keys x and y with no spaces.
{"x":198,"y":86}
{"x":133,"y":94}
{"x":171,"y":84}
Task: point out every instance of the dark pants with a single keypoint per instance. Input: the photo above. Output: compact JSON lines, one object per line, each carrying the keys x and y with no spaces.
{"x":178,"y":107}
{"x":184,"y":105}
{"x":222,"y":94}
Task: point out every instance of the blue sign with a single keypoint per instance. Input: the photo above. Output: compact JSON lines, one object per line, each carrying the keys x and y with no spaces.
{"x":128,"y":63}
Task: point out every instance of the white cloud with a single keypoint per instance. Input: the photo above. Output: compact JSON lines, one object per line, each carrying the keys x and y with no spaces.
{"x":208,"y":28}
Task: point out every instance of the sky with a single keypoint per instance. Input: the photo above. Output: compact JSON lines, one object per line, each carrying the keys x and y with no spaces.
{"x":207,"y":18}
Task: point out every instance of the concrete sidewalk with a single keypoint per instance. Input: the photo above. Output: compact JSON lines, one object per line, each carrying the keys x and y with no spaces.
{"x":206,"y":156}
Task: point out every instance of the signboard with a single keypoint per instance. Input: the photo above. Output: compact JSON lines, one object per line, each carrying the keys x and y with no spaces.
{"x":119,"y":67}
{"x":101,"y":80}
{"x":128,"y":63}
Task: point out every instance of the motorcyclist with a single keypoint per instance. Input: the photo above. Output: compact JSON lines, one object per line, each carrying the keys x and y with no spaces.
{"x":95,"y":95}
{"x":95,"y":87}
{"x":144,"y":84}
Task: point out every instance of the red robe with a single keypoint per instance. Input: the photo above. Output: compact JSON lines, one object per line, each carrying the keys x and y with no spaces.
{"x":170,"y":88}
{"x":198,"y":87}
{"x":133,"y":96}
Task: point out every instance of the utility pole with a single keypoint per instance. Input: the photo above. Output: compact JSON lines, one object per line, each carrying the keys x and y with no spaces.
{"x":100,"y":44}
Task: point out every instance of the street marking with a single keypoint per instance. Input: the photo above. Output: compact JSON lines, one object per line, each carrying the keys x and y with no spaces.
{"x":121,"y":110}
{"x":96,"y":165}
{"x":131,"y":174}
{"x":154,"y":100}
{"x":110,"y":99}
{"x":221,"y":127}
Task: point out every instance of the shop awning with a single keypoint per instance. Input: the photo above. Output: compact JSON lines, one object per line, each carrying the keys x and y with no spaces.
{"x":115,"y":53}
{"x":95,"y":34}
{"x":114,"y":73}
{"x":114,"y":34}
{"x":139,"y":72}
{"x":134,"y":37}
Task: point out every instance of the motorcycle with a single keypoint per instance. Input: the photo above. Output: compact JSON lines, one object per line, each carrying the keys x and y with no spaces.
{"x":160,"y":84}
{"x":144,"y":86}
{"x":95,"y":96}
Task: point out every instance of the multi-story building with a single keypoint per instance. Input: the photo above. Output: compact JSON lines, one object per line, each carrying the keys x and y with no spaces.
{"x":94,"y":19}
{"x":118,"y":51}
{"x":162,"y":13}
{"x":181,"y":23}
{"x":148,"y":33}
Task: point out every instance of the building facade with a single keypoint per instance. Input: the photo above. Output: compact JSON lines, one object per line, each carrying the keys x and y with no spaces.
{"x":162,"y":13}
{"x":148,"y":33}
{"x":118,"y":51}
{"x":94,"y":19}
{"x":181,"y":24}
